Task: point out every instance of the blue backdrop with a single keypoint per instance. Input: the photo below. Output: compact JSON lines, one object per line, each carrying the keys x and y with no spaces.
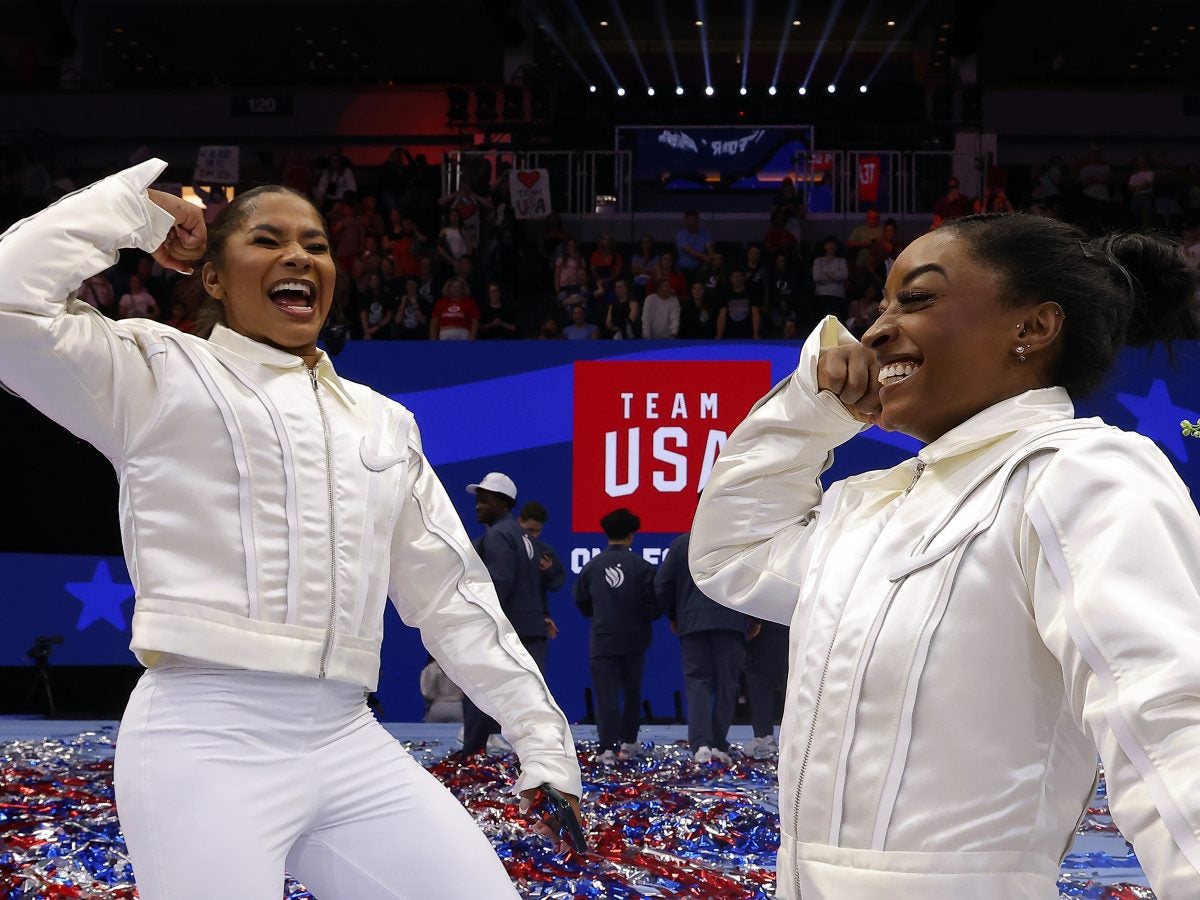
{"x":510,"y":407}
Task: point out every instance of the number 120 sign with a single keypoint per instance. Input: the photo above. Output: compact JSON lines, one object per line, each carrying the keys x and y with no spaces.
{"x":647,"y":434}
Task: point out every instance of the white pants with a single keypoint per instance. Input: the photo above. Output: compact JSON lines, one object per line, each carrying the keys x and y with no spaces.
{"x":225,"y":777}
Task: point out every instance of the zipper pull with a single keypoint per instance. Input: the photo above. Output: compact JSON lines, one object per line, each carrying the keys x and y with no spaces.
{"x":916,"y":477}
{"x":312,"y":374}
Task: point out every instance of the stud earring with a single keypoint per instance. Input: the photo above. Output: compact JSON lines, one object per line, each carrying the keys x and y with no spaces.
{"x":1020,"y":351}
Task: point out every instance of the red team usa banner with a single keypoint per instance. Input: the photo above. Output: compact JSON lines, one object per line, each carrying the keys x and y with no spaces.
{"x":646,"y":435}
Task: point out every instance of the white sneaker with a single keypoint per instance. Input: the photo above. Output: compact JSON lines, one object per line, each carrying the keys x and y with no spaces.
{"x":630,"y":751}
{"x":763,"y":747}
{"x":720,"y":756}
{"x":497,"y":745}
{"x":607,"y":758}
{"x":704,"y":755}
{"x":459,"y":737}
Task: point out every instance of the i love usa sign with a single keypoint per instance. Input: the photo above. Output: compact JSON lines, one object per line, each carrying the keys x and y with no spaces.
{"x":530,"y":192}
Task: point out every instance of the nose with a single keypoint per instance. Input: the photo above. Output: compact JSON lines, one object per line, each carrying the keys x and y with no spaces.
{"x":881,"y":332}
{"x":296,"y":257}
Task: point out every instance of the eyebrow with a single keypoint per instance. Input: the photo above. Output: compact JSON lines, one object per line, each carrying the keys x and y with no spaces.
{"x":276,"y":231}
{"x":921,"y":270}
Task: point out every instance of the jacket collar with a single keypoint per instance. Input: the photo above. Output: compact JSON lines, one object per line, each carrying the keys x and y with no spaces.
{"x":1038,"y":407}
{"x":265,"y":354}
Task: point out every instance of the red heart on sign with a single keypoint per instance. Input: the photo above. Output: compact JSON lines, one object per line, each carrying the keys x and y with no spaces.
{"x":529,"y":179}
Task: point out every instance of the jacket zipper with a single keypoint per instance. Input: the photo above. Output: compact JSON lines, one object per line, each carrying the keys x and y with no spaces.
{"x":812,"y":728}
{"x":312,"y":374}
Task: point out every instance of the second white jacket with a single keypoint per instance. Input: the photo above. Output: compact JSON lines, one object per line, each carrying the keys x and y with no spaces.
{"x":968,"y":629}
{"x":267,"y":510}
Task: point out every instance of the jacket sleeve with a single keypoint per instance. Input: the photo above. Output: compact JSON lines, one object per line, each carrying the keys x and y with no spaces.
{"x":556,"y":576}
{"x":439,"y":586}
{"x":1113,"y":551}
{"x":86,"y":373}
{"x":748,"y":545}
{"x":666,"y":583}
{"x":501,"y":562}
{"x":650,"y":608}
{"x":583,"y":596}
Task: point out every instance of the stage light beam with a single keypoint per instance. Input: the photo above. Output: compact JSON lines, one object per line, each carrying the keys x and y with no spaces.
{"x":637,"y":60}
{"x":896,"y":38}
{"x":867,"y":16}
{"x":789,"y":16}
{"x":830,"y":20}
{"x":747,"y":26}
{"x":704,"y":47}
{"x":664,"y":27}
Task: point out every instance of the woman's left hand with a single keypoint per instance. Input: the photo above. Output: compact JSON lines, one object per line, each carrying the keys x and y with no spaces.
{"x":531,"y":796}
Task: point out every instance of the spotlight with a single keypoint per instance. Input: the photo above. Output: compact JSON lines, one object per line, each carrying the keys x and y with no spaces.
{"x":862,"y":88}
{"x":742,"y":90}
{"x":891,"y":23}
{"x":603,"y":23}
{"x":708,"y":91}
{"x":620,"y":92}
{"x":832,"y":88}
{"x":591,"y":88}
{"x":649,"y":92}
{"x":679,"y":90}
{"x":796,"y":23}
{"x":771,"y":90}
{"x":699,"y":23}
{"x":803,"y":90}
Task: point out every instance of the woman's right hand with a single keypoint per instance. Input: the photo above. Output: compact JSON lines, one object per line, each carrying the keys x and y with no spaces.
{"x":186,"y":241}
{"x":851,"y":373}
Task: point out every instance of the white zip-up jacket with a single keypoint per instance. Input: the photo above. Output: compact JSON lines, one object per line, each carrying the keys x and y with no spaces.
{"x":968,"y":629}
{"x":267,"y":510}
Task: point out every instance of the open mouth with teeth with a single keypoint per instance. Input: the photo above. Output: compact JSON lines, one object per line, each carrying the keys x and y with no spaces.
{"x":896,"y":372}
{"x":295,"y":298}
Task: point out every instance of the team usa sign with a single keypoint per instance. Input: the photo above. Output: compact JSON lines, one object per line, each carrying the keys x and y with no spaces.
{"x":646,"y":435}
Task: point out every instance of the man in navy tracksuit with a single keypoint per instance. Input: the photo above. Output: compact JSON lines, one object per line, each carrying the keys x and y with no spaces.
{"x":512,"y":562}
{"x":712,"y":643}
{"x":616,"y":591}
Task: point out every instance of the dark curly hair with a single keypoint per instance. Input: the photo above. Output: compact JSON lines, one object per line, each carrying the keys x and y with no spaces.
{"x":1122,"y":288}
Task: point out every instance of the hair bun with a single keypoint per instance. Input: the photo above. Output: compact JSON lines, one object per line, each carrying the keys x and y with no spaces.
{"x":1154,"y":270}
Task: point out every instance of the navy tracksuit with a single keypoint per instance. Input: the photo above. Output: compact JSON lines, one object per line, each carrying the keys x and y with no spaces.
{"x":712,"y":643}
{"x":766,"y":675}
{"x":511,"y":558}
{"x":616,"y":591}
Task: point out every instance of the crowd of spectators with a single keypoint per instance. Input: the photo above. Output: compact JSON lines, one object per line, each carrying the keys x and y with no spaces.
{"x":417,"y":264}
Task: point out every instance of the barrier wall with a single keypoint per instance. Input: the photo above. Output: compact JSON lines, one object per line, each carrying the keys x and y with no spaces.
{"x":583,"y":428}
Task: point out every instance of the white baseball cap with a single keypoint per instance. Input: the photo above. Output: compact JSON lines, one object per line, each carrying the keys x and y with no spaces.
{"x":497,"y":483}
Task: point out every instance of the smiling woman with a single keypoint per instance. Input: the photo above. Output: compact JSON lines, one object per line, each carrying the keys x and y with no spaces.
{"x":269,"y":510}
{"x":978,"y":621}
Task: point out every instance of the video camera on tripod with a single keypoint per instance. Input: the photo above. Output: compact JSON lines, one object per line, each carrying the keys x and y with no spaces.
{"x":43,"y":646}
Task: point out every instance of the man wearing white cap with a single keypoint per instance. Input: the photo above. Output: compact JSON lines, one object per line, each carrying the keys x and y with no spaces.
{"x":512,"y":562}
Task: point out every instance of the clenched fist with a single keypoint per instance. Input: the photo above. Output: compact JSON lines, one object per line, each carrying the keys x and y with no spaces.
{"x":851,"y":373}
{"x":186,"y":241}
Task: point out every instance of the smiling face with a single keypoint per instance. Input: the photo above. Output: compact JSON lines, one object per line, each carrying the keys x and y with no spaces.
{"x":275,"y":276}
{"x":945,"y":340}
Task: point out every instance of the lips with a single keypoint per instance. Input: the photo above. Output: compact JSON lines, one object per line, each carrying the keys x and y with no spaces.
{"x":895,"y":372}
{"x":293,"y":296}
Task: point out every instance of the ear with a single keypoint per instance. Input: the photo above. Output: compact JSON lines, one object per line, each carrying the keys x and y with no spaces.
{"x":1041,"y":328}
{"x":212,"y":282}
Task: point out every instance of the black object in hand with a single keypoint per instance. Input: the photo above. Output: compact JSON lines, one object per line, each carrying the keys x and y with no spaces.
{"x":561,"y":817}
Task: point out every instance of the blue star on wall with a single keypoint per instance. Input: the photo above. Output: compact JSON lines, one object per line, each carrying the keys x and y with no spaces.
{"x":101,"y":598}
{"x":1158,"y":417}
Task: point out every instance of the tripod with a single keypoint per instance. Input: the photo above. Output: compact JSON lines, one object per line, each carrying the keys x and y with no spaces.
{"x":41,"y":679}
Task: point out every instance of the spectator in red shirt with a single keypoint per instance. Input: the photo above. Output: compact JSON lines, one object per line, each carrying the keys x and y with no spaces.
{"x":406,"y":243}
{"x":606,"y":265}
{"x":954,"y":204}
{"x":456,"y":316}
{"x":778,"y":239}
